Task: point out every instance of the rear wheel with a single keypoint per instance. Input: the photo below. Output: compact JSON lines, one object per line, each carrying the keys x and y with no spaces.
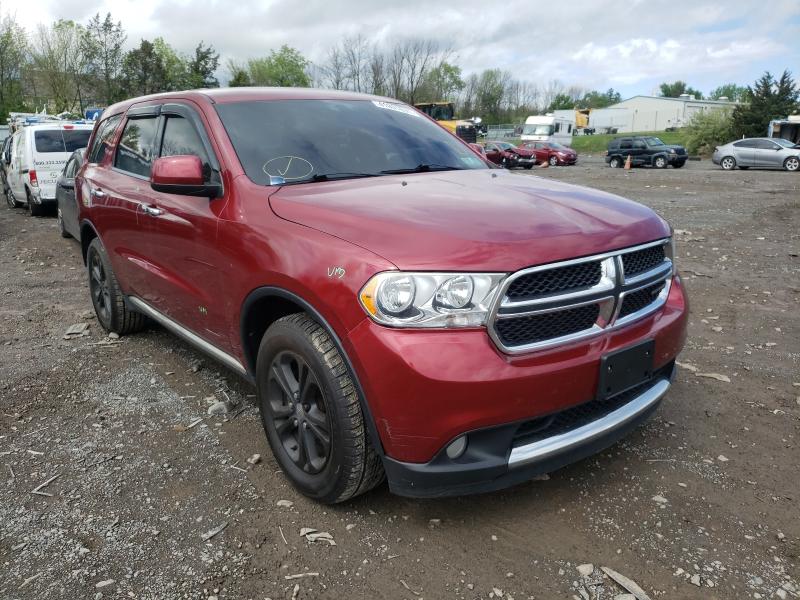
{"x":36,"y":210}
{"x":311,"y":412}
{"x":11,"y":200}
{"x":553,"y":161}
{"x":107,"y":298}
{"x":728,"y":163}
{"x":660,"y":162}
{"x":792,"y":163}
{"x":615,"y":162}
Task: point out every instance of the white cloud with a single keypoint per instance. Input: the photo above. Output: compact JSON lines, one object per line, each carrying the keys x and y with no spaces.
{"x":595,"y":44}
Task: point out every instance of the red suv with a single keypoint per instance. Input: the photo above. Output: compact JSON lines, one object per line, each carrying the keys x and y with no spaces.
{"x":402,"y":308}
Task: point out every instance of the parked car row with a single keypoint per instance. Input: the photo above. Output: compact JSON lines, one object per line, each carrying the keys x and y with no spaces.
{"x":527,"y":154}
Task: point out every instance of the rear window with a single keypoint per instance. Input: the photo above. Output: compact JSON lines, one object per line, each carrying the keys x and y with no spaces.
{"x":61,"y":140}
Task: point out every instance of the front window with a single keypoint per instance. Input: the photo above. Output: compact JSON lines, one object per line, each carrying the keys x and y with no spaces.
{"x":784,"y":143}
{"x":654,"y":141}
{"x":440,"y":112}
{"x":532,"y":129}
{"x":298,"y":141}
{"x":136,"y":146}
{"x":61,"y":140}
{"x":556,"y":146}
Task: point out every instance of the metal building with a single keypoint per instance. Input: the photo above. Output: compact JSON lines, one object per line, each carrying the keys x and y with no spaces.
{"x":652,"y":113}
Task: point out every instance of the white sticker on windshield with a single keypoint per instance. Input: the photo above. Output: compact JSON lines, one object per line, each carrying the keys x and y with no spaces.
{"x":396,"y":107}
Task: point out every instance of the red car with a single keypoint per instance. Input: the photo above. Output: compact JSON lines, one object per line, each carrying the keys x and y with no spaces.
{"x":509,"y":156}
{"x":403,"y":310}
{"x":551,"y":152}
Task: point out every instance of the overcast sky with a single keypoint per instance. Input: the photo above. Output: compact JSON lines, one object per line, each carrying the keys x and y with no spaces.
{"x":631,"y":45}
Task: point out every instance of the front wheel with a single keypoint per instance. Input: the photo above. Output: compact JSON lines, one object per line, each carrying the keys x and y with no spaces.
{"x":660,"y":162}
{"x":60,"y":222}
{"x":792,"y":163}
{"x":311,"y":412}
{"x":728,"y":163}
{"x":553,"y":161}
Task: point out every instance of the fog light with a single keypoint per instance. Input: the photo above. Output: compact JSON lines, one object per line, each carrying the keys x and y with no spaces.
{"x":456,"y":447}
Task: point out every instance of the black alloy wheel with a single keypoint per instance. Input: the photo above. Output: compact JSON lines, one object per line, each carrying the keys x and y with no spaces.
{"x":299,"y":412}
{"x":99,"y":287}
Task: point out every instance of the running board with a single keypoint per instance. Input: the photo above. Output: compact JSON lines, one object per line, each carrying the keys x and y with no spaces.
{"x":195,"y":340}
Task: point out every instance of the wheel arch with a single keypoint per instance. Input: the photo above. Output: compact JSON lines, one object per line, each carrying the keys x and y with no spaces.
{"x":265,"y":305}
{"x":87,"y":234}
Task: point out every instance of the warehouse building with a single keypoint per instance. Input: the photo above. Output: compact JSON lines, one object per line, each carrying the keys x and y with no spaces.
{"x":652,"y":113}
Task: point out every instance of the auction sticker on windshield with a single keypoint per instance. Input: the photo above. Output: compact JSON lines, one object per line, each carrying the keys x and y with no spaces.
{"x":396,"y":107}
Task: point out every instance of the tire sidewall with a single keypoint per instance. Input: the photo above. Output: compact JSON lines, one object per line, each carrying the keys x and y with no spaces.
{"x":659,"y":162}
{"x":614,"y":163}
{"x":732,"y":163}
{"x":790,"y":160}
{"x":283,"y":336}
{"x":553,"y":161}
{"x":96,"y":247}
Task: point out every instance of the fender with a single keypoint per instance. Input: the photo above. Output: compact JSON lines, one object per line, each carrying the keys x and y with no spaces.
{"x":250,"y":361}
{"x":84,"y":245}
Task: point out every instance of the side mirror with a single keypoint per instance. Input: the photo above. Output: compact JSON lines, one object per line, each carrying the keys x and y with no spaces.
{"x":67,"y":184}
{"x":183,"y":175}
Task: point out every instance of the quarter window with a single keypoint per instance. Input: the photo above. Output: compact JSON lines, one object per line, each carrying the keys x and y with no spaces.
{"x":137,"y":146}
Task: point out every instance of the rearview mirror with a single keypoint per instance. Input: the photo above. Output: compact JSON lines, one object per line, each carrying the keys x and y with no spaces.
{"x":182,"y":174}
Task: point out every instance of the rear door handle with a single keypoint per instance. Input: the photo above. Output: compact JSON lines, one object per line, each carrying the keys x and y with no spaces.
{"x":151,"y":210}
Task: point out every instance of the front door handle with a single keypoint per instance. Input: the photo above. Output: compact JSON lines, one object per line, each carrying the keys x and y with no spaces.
{"x":151,"y":210}
{"x":98,"y":193}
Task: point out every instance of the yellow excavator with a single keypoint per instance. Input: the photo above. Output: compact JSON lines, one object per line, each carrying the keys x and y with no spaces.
{"x":444,"y":113}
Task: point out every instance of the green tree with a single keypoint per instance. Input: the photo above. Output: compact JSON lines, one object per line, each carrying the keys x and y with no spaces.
{"x":284,"y":68}
{"x":767,"y":99}
{"x":240,"y":78}
{"x":595,"y":99}
{"x":676,"y":88}
{"x":143,"y":71}
{"x":175,"y":66}
{"x":731,"y":91}
{"x":201,"y":68}
{"x":102,"y":47}
{"x":60,"y":66}
{"x":561,"y":102}
{"x":708,"y":129}
{"x":441,"y":83}
{"x":13,"y":53}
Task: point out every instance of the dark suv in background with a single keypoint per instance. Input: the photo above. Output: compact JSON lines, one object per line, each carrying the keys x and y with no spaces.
{"x":644,"y":150}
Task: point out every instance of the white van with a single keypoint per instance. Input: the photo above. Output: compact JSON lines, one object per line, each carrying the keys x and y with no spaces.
{"x":548,"y":128}
{"x":36,"y":157}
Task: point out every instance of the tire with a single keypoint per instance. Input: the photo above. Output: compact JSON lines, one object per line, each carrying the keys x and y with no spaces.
{"x":528,"y":167}
{"x":660,"y":162}
{"x":679,"y":164}
{"x":553,"y":161}
{"x":728,"y":163}
{"x":107,"y":298}
{"x":615,"y":162}
{"x":792,"y":163}
{"x":11,"y":200}
{"x":36,"y":210}
{"x":60,"y":221}
{"x":297,"y":349}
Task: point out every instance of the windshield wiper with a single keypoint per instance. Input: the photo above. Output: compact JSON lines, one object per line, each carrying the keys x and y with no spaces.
{"x":422,"y":168}
{"x":331,"y":177}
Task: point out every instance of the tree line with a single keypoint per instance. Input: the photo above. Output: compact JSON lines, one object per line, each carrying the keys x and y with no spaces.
{"x":69,"y":66}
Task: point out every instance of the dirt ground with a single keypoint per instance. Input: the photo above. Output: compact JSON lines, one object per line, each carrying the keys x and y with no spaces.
{"x":702,"y":502}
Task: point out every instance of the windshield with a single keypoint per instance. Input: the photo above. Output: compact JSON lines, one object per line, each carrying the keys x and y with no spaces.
{"x":504,"y":145}
{"x":61,"y":140}
{"x":556,"y":146}
{"x":439,"y":112}
{"x":310,"y":140}
{"x":654,"y":141}
{"x":784,"y":143}
{"x":537,"y":130}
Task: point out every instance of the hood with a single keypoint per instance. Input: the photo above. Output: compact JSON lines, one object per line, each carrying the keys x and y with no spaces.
{"x":522,"y":151}
{"x":677,"y":147}
{"x":471,"y":220}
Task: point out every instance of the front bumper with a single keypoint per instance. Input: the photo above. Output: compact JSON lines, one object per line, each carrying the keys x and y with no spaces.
{"x":427,"y":388}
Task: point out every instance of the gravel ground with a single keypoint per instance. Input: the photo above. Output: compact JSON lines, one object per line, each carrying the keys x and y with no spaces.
{"x":141,"y":494}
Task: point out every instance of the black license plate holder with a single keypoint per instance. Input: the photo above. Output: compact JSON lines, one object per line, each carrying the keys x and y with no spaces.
{"x":625,"y":369}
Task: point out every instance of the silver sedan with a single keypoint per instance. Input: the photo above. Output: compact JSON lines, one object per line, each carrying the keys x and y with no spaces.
{"x":765,"y":153}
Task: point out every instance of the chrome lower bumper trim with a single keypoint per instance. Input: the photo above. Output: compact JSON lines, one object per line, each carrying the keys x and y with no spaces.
{"x":564,"y":442}
{"x":191,"y":337}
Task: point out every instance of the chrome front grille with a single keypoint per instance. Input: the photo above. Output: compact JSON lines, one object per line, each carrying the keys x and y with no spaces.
{"x":553,"y":304}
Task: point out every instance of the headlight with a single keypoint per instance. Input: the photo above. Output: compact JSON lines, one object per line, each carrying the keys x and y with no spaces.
{"x":672,"y":151}
{"x":669,"y":251}
{"x":402,"y":299}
